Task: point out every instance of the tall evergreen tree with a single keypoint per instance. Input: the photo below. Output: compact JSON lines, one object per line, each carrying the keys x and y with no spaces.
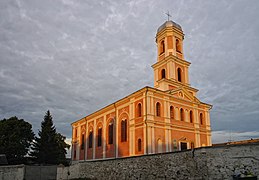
{"x":50,"y":146}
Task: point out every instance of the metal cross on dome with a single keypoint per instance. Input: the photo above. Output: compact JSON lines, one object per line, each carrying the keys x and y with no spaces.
{"x":168,"y":15}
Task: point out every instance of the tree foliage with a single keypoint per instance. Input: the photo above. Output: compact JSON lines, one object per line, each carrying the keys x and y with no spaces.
{"x":50,"y":146}
{"x":16,"y":136}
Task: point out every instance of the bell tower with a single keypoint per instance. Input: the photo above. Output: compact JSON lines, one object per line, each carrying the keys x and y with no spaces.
{"x":171,"y":69}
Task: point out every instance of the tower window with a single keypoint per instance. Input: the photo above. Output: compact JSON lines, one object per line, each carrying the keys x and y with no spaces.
{"x":178,"y":46}
{"x":139,"y":110}
{"x":139,"y":145}
{"x":110,"y":139}
{"x":158,"y":109}
{"x":171,"y":112}
{"x":191,"y":117}
{"x":162,"y":47}
{"x":179,"y":73}
{"x":83,"y":141}
{"x":124,"y":131}
{"x":201,"y":118}
{"x":182,"y":114}
{"x":90,"y":140}
{"x":99,"y":137}
{"x":163,"y":73}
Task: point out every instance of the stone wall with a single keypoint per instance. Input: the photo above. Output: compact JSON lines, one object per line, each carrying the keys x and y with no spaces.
{"x":40,"y":172}
{"x":12,"y":172}
{"x":203,"y":163}
{"x":22,"y":172}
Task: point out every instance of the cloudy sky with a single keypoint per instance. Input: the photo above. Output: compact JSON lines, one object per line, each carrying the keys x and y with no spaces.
{"x":73,"y":57}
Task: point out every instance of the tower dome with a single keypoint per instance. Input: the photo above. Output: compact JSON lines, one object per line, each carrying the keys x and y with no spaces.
{"x":169,"y":24}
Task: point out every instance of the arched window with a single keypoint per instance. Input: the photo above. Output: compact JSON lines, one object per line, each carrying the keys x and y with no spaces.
{"x":83,"y":141}
{"x":124,"y":130}
{"x":179,"y":74}
{"x":171,"y":112}
{"x":163,"y":73}
{"x":178,"y":46}
{"x":182,"y":114}
{"x":201,"y":118}
{"x":162,"y":47}
{"x":139,"y":145}
{"x":99,"y":137}
{"x":74,"y":154}
{"x":191,"y":117}
{"x":158,"y":109}
{"x":110,"y":138}
{"x":90,"y":145}
{"x":139,"y":110}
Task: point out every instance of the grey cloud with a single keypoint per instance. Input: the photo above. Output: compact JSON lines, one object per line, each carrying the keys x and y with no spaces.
{"x":74,"y":57}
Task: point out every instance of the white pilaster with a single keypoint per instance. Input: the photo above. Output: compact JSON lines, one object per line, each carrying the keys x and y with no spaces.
{"x":104,"y":136}
{"x":94,"y":139}
{"x":131,"y":127}
{"x":170,"y":140}
{"x":166,"y":140}
{"x":79,"y":142}
{"x":149,"y":143}
{"x":86,"y":138}
{"x":117,"y":132}
{"x":153,"y":140}
{"x":196,"y":128}
{"x":186,"y":78}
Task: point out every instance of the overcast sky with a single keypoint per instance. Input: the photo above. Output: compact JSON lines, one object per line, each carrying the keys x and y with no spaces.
{"x":73,"y":57}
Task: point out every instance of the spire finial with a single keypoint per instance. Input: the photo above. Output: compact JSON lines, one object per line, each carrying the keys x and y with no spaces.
{"x":168,"y":15}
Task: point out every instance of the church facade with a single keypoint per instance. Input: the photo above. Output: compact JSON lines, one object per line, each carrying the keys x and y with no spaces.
{"x":164,"y":118}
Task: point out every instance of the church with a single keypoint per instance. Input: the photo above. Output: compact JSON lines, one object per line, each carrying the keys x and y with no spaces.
{"x":164,"y":118}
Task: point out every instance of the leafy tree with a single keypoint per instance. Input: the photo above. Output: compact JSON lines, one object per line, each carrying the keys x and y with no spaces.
{"x":50,"y":146}
{"x":16,"y":137}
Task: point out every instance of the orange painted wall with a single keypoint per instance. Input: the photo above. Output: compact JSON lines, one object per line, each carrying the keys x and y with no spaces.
{"x":139,"y":135}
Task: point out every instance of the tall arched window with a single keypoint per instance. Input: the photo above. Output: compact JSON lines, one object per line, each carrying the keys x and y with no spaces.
{"x":90,"y":145}
{"x":163,"y":73}
{"x":158,"y":109}
{"x":162,"y":47}
{"x":83,"y":141}
{"x":74,"y":154}
{"x":191,"y":117}
{"x":182,"y":114}
{"x":201,"y":118}
{"x":76,"y":133}
{"x":171,"y":112}
{"x":178,"y":46}
{"x":139,"y":145}
{"x":179,"y":74}
{"x":110,"y":133}
{"x":99,"y":137}
{"x":124,"y":130}
{"x":139,"y":110}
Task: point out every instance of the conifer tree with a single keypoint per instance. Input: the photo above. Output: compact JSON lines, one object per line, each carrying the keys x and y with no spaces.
{"x":50,"y":146}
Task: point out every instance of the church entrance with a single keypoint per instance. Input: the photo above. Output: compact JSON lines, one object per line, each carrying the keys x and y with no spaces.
{"x":183,"y":146}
